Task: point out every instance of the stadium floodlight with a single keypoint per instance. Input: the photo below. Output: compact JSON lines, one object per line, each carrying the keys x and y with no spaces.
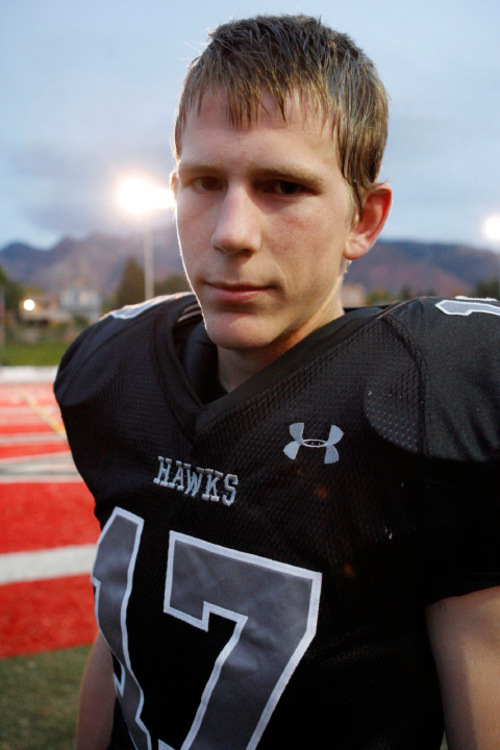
{"x":491,"y":228}
{"x":140,"y":197}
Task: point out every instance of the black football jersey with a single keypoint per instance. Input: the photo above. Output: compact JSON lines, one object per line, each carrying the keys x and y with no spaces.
{"x":266,"y":555}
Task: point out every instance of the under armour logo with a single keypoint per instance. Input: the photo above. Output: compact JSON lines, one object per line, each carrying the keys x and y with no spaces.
{"x":297,"y":432}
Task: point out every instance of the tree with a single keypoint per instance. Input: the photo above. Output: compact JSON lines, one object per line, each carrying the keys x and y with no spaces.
{"x":12,"y":291}
{"x":177,"y":282}
{"x":405,"y":292}
{"x":379,"y":296}
{"x":487,"y":288}
{"x":131,"y":287}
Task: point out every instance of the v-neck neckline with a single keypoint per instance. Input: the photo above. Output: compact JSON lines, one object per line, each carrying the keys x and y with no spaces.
{"x":195,"y":416}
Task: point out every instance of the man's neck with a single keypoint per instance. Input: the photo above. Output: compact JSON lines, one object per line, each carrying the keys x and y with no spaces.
{"x":237,"y":365}
{"x":234,"y":367}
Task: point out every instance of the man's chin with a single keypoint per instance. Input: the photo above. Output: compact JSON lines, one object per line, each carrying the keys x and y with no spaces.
{"x":242,"y":334}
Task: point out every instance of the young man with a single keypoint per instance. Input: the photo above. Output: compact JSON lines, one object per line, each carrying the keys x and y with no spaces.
{"x":299,"y":511}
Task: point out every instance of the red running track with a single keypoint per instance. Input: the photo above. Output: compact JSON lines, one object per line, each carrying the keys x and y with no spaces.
{"x":47,"y":528}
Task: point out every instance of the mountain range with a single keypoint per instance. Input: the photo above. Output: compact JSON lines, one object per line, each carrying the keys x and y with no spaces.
{"x":98,"y":260}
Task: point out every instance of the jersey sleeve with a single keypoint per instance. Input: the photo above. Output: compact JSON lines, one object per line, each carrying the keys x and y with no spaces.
{"x":462,"y":553}
{"x":455,"y":347}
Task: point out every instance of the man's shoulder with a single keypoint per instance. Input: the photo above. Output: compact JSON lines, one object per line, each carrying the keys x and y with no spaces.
{"x":105,"y":347}
{"x":455,"y":345}
{"x":457,"y":339}
{"x":430,"y":319}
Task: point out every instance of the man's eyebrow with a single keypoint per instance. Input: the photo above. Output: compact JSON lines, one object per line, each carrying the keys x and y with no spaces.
{"x":185,"y":167}
{"x":287,"y":172}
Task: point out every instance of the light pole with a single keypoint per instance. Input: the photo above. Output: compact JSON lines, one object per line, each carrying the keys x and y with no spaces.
{"x":141,"y":198}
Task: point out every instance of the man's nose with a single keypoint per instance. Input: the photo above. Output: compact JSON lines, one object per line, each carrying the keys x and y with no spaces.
{"x":238,"y":223}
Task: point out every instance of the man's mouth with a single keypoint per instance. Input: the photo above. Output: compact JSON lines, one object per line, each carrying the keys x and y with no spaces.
{"x":235,"y":292}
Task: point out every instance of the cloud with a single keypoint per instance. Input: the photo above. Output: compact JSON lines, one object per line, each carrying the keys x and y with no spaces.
{"x":74,"y":192}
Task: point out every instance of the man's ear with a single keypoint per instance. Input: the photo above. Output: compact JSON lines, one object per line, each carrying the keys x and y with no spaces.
{"x":174,"y":181}
{"x":376,"y":207}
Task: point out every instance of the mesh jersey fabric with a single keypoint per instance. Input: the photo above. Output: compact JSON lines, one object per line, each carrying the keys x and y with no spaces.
{"x":344,"y":487}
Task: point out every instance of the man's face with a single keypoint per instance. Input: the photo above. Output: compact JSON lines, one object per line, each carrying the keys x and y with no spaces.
{"x":264,"y":216}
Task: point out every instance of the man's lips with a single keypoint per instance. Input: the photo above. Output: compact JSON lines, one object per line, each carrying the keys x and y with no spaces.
{"x":235,"y":292}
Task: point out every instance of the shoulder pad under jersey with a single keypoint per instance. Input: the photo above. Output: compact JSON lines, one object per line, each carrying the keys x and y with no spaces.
{"x":455,"y":347}
{"x":102,"y":349}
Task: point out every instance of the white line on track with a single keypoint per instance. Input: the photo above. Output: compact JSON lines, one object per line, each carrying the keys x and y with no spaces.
{"x":32,"y":437}
{"x":60,"y":562}
{"x":16,"y":375}
{"x":55,"y":467}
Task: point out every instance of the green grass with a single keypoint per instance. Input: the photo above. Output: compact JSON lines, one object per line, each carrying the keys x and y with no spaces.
{"x":40,"y":354}
{"x":39,"y":699}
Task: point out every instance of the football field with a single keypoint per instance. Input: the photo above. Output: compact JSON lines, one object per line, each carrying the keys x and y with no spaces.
{"x":47,"y":543}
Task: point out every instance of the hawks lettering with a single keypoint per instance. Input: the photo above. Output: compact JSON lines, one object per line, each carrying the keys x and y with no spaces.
{"x":208,"y":484}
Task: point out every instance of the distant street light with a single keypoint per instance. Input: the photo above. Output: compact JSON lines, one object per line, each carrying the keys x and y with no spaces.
{"x":141,"y":197}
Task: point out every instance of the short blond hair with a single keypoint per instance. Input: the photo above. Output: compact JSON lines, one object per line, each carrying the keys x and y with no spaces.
{"x":281,"y":55}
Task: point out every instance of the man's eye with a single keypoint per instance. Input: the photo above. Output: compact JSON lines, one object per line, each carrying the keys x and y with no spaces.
{"x":207,"y":183}
{"x":284,"y":187}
